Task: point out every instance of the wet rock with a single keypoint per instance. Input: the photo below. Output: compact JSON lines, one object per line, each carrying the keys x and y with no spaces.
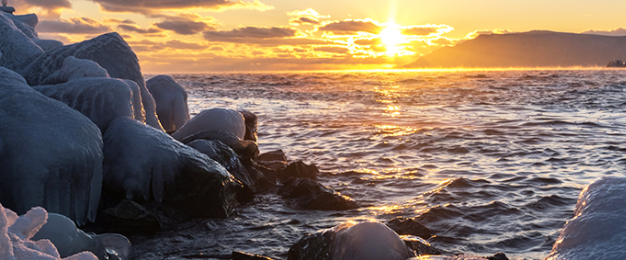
{"x":219,"y":119}
{"x":130,"y":216}
{"x":420,"y":246}
{"x":245,"y":256}
{"x":409,"y":226}
{"x":171,"y":102}
{"x":277,"y":155}
{"x":498,"y":256}
{"x":310,"y":194}
{"x":225,"y":156}
{"x":17,"y":48}
{"x":299,"y":169}
{"x":349,"y":241}
{"x":246,"y":148}
{"x":251,"y":122}
{"x":147,"y":164}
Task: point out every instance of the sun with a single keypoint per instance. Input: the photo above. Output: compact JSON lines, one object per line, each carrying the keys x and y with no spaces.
{"x":391,"y":37}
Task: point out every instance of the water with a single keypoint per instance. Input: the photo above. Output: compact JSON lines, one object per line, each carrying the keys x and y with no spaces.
{"x":490,"y":161}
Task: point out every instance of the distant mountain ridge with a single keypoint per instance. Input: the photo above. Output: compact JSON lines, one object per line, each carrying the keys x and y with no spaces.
{"x":528,"y":49}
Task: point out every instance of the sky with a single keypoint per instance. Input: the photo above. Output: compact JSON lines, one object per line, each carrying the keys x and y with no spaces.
{"x":196,"y":36}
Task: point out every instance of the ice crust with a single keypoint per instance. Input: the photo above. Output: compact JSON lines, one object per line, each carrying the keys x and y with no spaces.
{"x":51,"y":154}
{"x":368,"y":241}
{"x":598,"y":228}
{"x":171,"y":102}
{"x":220,"y":119}
{"x":19,"y":49}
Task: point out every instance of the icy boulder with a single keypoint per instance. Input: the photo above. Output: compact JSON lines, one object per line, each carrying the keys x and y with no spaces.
{"x":143,"y":163}
{"x":598,"y":229}
{"x":350,"y":241}
{"x":220,"y":119}
{"x":51,"y":154}
{"x":74,"y":68}
{"x":19,"y":50}
{"x":16,"y":233}
{"x":111,"y":52}
{"x":26,"y":23}
{"x":171,"y":102}
{"x":47,"y":45}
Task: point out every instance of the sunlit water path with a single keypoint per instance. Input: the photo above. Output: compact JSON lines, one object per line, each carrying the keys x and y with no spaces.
{"x":490,"y":161}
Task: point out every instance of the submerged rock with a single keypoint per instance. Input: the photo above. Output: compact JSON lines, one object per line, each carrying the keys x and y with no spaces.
{"x":598,"y":228}
{"x":409,"y":226}
{"x":299,"y":169}
{"x":246,"y":149}
{"x":310,"y":194}
{"x":420,"y":246}
{"x":143,"y":163}
{"x":51,"y":154}
{"x":19,"y":50}
{"x":171,"y":102}
{"x":219,"y":119}
{"x":350,"y":241}
{"x":112,"y":53}
{"x":225,"y":156}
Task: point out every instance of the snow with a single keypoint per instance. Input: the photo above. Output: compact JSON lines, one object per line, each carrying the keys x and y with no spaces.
{"x":171,"y":102}
{"x":368,"y":241}
{"x":220,"y":119}
{"x":598,"y":228}
{"x":16,"y":234}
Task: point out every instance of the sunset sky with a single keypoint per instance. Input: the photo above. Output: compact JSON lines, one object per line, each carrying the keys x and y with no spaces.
{"x":171,"y":36}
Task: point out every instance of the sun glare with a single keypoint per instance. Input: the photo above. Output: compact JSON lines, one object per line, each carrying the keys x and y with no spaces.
{"x":391,"y":37}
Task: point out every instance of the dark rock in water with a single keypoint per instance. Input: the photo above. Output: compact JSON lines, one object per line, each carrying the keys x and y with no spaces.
{"x":277,"y":155}
{"x":171,"y":102}
{"x":225,"y":156}
{"x":131,"y":216}
{"x":51,"y":155}
{"x":245,"y":256}
{"x":219,"y":119}
{"x":147,"y":164}
{"x":420,"y":246}
{"x":251,"y":122}
{"x":310,"y":194}
{"x":18,"y":50}
{"x":349,"y":241}
{"x":409,"y":226}
{"x":299,"y":169}
{"x":498,"y":256}
{"x":108,"y":50}
{"x":100,"y":99}
{"x":247,"y":148}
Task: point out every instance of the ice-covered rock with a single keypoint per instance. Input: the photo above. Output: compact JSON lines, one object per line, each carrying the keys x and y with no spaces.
{"x":51,"y":155}
{"x":143,"y":163}
{"x":171,"y":102}
{"x":225,"y":156}
{"x":220,"y":119}
{"x":598,"y":228}
{"x":111,"y":52}
{"x":16,"y":233}
{"x":26,"y":23}
{"x":47,"y":45}
{"x":19,"y":50}
{"x":74,"y":68}
{"x":350,"y":241}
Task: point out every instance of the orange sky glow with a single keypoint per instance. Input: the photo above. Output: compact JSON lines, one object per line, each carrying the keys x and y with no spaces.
{"x":193,"y":36}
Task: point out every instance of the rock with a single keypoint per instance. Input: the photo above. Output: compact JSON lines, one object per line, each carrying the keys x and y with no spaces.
{"x":219,"y":119}
{"x":147,"y":164}
{"x":47,"y":45}
{"x":130,"y":216}
{"x":277,"y":155}
{"x":350,"y":241}
{"x":309,"y":194}
{"x":19,"y":50}
{"x":420,"y":246}
{"x":498,"y":256}
{"x":245,"y":256}
{"x":299,"y":169}
{"x":246,"y":148}
{"x":598,"y":228}
{"x":51,"y":154}
{"x":251,"y":122}
{"x":26,"y":23}
{"x":225,"y":156}
{"x":409,"y":226}
{"x":112,"y":53}
{"x":74,"y":68}
{"x":171,"y":102}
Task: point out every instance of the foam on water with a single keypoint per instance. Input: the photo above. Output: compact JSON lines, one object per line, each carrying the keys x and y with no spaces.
{"x":489,"y":161}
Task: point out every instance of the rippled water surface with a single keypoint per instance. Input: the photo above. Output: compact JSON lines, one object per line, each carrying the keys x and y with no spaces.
{"x":490,"y":161}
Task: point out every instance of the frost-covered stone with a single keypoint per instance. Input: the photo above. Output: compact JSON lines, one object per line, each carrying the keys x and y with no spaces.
{"x":144,"y":163}
{"x":171,"y":102}
{"x":350,"y":241}
{"x":26,"y":23}
{"x":74,"y":68}
{"x":111,"y":52}
{"x":598,"y":228}
{"x":100,"y":99}
{"x":16,"y":233}
{"x":51,"y":155}
{"x":47,"y":45}
{"x":19,"y":50}
{"x":220,"y":119}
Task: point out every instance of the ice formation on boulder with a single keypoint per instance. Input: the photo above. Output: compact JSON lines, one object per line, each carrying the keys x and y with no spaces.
{"x":51,"y":154}
{"x":144,"y":163}
{"x":221,"y":119}
{"x":171,"y":102}
{"x":26,"y":23}
{"x":16,"y":233}
{"x":74,"y":68}
{"x":112,"y":53}
{"x":47,"y":45}
{"x":19,"y":50}
{"x":598,"y":228}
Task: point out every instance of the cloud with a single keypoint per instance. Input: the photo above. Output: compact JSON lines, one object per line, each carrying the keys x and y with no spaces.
{"x":426,"y":30}
{"x":137,"y":29}
{"x":148,"y":46}
{"x":50,"y":9}
{"x":77,"y":25}
{"x":477,"y":33}
{"x":308,"y":16}
{"x":351,"y":27}
{"x":303,"y":20}
{"x":615,"y":32}
{"x":373,"y":41}
{"x":262,"y":35}
{"x":115,"y":20}
{"x":442,"y":41}
{"x":332,"y":49}
{"x":184,"y":25}
{"x":155,"y":6}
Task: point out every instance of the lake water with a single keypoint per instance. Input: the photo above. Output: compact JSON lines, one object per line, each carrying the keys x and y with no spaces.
{"x":490,"y":161}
